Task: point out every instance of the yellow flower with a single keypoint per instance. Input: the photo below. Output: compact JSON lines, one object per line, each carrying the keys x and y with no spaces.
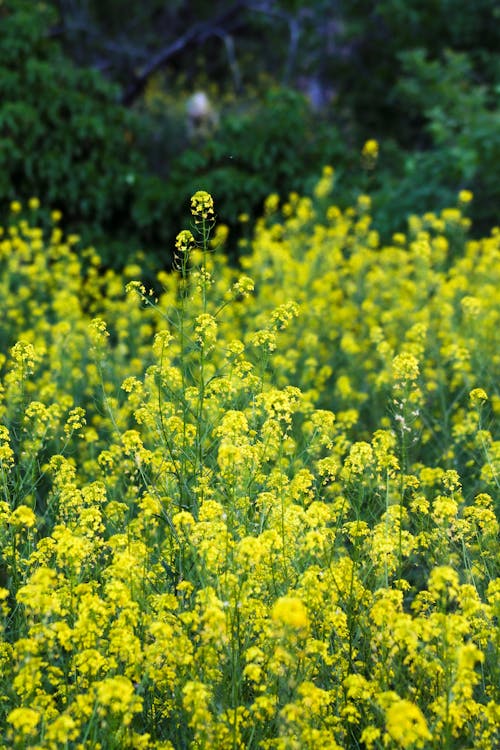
{"x":465,"y":196}
{"x":23,"y":353}
{"x":271,"y":204}
{"x":478,"y":396}
{"x":399,"y":238}
{"x":6,"y":452}
{"x":220,"y":236}
{"x":202,"y":206}
{"x":24,"y":720}
{"x":184,"y":242}
{"x":444,"y":581}
{"x":370,"y":149}
{"x":62,"y":730}
{"x":325,"y":184}
{"x":369,"y":736}
{"x":137,"y":287}
{"x":196,"y":698}
{"x":471,"y":306}
{"x":23,"y":517}
{"x":205,"y":330}
{"x":34,"y":203}
{"x":98,"y":331}
{"x":364,"y":203}
{"x":75,"y":422}
{"x":291,"y":612}
{"x":15,"y":207}
{"x":405,"y":367}
{"x":118,"y":696}
{"x":406,"y":725}
{"x":244,"y":286}
{"x":359,"y":460}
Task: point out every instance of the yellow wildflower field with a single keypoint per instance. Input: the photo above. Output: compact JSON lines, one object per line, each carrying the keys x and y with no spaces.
{"x":252,"y":507}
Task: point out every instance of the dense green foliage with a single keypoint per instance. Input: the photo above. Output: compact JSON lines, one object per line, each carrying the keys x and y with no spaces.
{"x":270,"y":147}
{"x":64,"y":138}
{"x":294,"y":87}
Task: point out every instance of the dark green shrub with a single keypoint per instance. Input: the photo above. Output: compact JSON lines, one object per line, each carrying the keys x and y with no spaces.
{"x":64,"y":138}
{"x":462,"y":121}
{"x":276,"y":145}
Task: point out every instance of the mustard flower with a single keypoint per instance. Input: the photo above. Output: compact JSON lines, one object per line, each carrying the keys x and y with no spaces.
{"x":284,"y":314}
{"x":196,"y":698}
{"x":23,"y":517}
{"x":220,"y":236}
{"x":465,"y":196}
{"x":371,"y":148}
{"x":184,"y":242}
{"x":406,"y":725}
{"x":478,"y":397}
{"x":23,"y":353}
{"x":265,"y":339}
{"x":444,"y":509}
{"x":451,"y":481}
{"x":205,"y":330}
{"x":325,"y":185}
{"x":75,"y":422}
{"x":471,"y":306}
{"x":451,"y":215}
{"x":24,"y":720}
{"x":405,"y":368}
{"x":290,"y":611}
{"x":6,"y":452}
{"x":271,"y":204}
{"x":370,"y":735}
{"x":399,"y":238}
{"x":359,"y":460}
{"x":135,"y":286}
{"x":39,"y":595}
{"x":364,"y":203}
{"x":243,"y":286}
{"x":202,"y":207}
{"x":117,"y":695}
{"x":62,"y":730}
{"x":444,"y":582}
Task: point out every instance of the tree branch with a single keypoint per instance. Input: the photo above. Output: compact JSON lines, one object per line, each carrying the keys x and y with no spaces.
{"x":197,"y":34}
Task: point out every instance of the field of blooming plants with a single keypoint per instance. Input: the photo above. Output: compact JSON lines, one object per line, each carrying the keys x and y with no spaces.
{"x":254,"y":507}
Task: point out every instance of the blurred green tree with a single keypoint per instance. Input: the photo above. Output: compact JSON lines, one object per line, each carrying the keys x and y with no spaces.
{"x":64,"y":137}
{"x":298,"y":85}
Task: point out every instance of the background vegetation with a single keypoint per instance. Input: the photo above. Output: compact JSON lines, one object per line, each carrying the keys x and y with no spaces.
{"x":92,"y":112}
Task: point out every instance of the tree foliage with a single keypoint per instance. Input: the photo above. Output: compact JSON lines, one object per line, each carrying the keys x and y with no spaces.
{"x":63,"y":136}
{"x":296,"y":85}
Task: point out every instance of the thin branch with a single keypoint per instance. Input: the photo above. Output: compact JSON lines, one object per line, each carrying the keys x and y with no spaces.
{"x":196,"y":34}
{"x":231,"y":58}
{"x":294,"y":27}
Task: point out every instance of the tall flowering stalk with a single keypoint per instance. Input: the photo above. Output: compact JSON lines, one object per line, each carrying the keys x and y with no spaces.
{"x":205,"y":331}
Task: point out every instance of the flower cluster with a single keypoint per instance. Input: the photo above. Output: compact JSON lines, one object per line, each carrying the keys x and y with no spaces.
{"x":202,"y":207}
{"x":259,"y":509}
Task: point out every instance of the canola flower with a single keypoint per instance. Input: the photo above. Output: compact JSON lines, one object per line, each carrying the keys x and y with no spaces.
{"x":370,"y":153}
{"x":258,"y":509}
{"x":202,"y":206}
{"x":371,"y":148}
